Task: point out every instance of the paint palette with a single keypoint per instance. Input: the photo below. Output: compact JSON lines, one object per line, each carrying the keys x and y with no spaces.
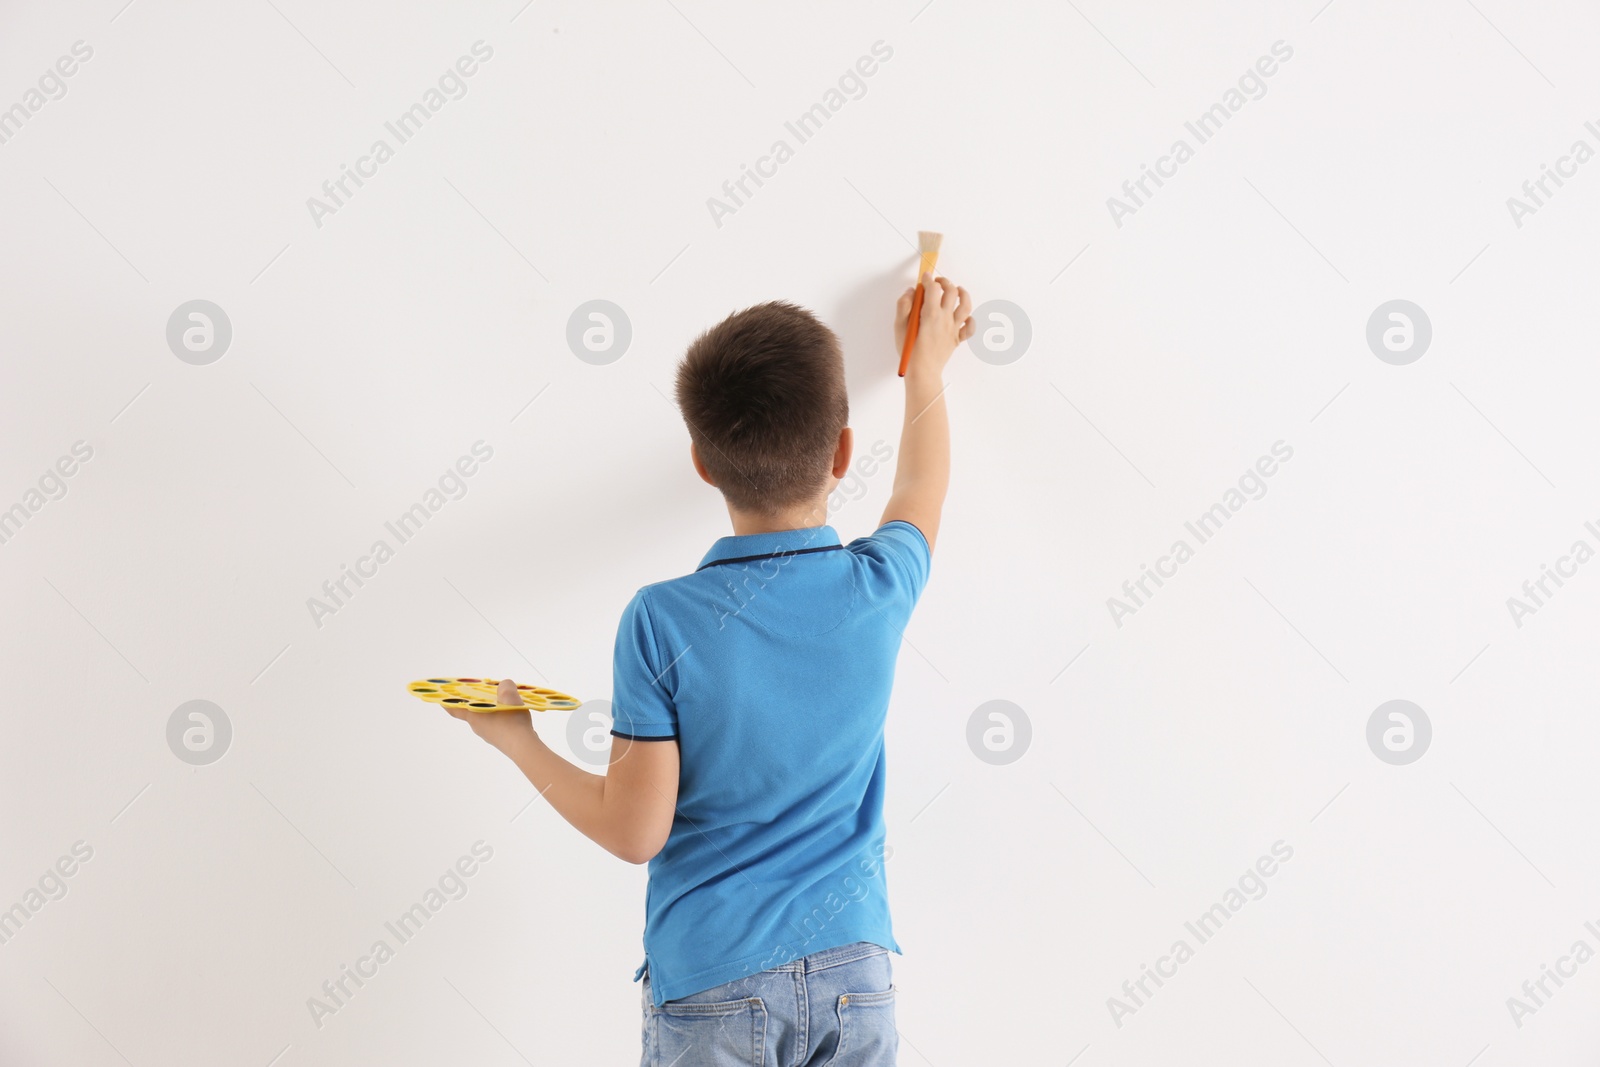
{"x":481,"y":694}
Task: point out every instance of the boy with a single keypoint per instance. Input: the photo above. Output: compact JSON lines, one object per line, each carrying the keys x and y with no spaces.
{"x":749,"y":698}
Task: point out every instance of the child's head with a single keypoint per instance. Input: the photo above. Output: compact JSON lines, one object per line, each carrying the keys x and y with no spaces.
{"x":763,"y":393}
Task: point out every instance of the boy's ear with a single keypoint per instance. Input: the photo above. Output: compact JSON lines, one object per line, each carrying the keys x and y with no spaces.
{"x":700,"y":468}
{"x":841,"y":455}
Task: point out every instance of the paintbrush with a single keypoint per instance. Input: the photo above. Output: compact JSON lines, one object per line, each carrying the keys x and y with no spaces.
{"x":928,"y":243}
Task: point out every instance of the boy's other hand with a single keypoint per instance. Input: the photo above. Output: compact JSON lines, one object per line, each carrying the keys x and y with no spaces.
{"x":507,"y":693}
{"x":499,"y":728}
{"x":946,"y":322}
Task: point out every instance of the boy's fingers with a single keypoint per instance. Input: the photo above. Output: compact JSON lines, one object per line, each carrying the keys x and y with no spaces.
{"x":932,"y":297}
{"x":948,"y":297}
{"x":902,"y":307}
{"x":964,"y":308}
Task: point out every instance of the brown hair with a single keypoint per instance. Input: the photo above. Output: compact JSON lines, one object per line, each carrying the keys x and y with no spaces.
{"x":763,"y":394}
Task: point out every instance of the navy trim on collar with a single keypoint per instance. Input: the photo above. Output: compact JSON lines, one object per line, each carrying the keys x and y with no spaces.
{"x":742,"y":547}
{"x":769,"y":555}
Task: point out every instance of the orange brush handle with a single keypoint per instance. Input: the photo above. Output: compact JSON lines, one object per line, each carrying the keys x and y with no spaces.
{"x":911,"y":330}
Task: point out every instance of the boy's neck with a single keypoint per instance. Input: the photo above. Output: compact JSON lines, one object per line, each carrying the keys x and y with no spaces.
{"x":800,"y":517}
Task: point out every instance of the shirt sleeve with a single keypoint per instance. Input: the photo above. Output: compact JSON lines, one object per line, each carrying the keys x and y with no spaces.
{"x":641,"y":706}
{"x":902,"y":555}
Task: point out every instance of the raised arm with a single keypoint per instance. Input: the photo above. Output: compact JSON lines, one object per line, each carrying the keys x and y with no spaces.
{"x":922,"y":473}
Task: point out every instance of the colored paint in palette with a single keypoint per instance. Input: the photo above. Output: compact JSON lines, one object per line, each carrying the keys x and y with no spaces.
{"x":482,"y":694}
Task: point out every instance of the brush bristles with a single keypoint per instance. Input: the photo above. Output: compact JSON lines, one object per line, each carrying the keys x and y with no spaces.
{"x":928,"y":242}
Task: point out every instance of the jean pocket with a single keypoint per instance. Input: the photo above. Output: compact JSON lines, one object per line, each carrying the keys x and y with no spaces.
{"x":867,"y":1035}
{"x":729,"y":1033}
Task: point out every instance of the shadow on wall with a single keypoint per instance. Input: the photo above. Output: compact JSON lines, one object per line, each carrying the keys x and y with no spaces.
{"x":865,"y":324}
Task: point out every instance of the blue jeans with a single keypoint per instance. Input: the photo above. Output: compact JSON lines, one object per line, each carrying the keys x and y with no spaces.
{"x":833,"y":1008}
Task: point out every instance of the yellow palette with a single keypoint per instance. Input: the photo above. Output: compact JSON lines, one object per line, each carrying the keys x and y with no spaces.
{"x":480,"y":694}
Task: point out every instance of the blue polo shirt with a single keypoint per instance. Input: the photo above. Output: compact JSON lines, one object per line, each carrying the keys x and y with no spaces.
{"x":771,"y":665}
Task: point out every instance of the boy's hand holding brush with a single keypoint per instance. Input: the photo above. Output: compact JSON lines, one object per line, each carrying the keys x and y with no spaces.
{"x":930,"y":320}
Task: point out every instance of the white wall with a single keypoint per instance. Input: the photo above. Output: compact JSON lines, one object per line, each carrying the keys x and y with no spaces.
{"x":1168,"y":753}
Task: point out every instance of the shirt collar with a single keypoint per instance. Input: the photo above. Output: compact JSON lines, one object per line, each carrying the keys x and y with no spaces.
{"x":736,"y":546}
